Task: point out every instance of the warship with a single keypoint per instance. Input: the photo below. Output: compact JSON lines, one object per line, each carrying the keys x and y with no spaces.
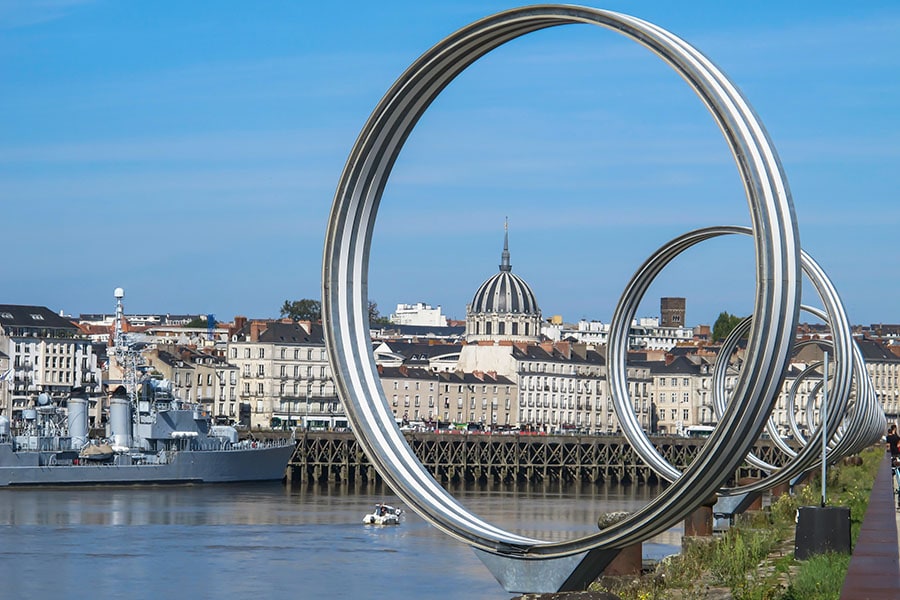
{"x":165,"y":441}
{"x":151,"y":437}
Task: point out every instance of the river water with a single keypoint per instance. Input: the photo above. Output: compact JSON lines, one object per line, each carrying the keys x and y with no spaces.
{"x":271,"y":541}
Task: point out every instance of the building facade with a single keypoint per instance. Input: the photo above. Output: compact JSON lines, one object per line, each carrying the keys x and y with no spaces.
{"x":203,"y":377}
{"x":418,"y":314}
{"x":485,"y":400}
{"x":45,"y":354}
{"x":284,"y":378}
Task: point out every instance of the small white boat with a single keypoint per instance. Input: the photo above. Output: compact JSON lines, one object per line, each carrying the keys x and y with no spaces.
{"x":384,"y":514}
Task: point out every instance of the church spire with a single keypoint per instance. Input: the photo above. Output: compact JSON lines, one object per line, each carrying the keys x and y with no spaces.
{"x":504,"y":257}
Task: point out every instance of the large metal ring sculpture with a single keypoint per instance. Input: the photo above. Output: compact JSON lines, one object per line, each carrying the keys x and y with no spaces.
{"x":843,"y":352}
{"x":522,"y":563}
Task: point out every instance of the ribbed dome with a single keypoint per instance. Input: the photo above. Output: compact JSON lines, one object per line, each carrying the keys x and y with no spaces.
{"x":505,"y":292}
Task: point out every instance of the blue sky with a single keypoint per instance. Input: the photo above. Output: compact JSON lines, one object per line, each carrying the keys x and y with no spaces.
{"x":189,"y":152}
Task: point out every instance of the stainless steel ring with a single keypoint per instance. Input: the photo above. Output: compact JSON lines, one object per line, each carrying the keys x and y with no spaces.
{"x":347,"y":248}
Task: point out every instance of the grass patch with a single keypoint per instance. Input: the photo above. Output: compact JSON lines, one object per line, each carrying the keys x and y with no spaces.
{"x":820,"y":577}
{"x":753,"y":560}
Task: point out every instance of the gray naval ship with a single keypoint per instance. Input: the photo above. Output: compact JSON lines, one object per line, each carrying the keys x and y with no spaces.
{"x":152,"y":438}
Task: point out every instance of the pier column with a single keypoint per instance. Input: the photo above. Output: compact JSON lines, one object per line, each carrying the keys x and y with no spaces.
{"x":630,"y":559}
{"x":700,"y":522}
{"x":780,"y":490}
{"x":757,"y":502}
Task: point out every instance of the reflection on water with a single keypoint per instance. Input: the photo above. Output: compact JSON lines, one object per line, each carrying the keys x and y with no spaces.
{"x":266,"y":539}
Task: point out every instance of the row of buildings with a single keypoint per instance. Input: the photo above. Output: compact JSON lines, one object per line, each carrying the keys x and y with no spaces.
{"x":506,"y":368}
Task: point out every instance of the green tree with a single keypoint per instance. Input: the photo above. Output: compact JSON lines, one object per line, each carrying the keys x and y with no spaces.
{"x":724,"y":325}
{"x":197,"y":323}
{"x":375,"y":317}
{"x":302,"y":310}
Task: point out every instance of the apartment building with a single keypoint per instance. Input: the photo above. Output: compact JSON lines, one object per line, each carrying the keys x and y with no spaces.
{"x":205,"y":377}
{"x":420,"y":394}
{"x":45,"y":354}
{"x":284,"y":378}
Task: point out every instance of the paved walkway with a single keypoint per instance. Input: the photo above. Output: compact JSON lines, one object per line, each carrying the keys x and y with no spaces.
{"x":874,"y":571}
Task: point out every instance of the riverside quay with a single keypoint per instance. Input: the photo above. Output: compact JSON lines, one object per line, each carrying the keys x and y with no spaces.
{"x":452,"y":458}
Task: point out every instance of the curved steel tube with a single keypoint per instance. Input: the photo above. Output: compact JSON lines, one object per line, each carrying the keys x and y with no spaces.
{"x":345,"y":273}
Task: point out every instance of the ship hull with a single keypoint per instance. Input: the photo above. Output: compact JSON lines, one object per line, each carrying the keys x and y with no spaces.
{"x":186,"y":466}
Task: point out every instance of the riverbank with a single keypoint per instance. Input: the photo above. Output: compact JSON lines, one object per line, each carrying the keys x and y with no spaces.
{"x":754,"y":559}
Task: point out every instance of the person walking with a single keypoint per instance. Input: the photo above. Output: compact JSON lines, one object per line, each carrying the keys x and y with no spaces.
{"x":893,"y":445}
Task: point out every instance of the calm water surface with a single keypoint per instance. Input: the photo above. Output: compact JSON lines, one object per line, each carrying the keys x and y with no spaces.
{"x":271,"y":541}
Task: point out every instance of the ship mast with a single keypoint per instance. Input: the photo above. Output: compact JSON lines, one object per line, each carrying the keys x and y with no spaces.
{"x":125,"y":352}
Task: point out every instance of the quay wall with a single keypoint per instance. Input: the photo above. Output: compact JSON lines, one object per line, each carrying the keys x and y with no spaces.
{"x":486,"y":458}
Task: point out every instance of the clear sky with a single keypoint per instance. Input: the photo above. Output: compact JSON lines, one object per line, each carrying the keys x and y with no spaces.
{"x":189,"y":151}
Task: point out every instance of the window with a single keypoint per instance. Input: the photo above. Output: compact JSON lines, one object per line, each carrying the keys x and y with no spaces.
{"x":37,"y":317}
{"x":260,"y":388}
{"x":234,"y":353}
{"x":283,"y":353}
{"x":260,"y":370}
{"x":247,"y":352}
{"x":262,"y":352}
{"x":685,"y":382}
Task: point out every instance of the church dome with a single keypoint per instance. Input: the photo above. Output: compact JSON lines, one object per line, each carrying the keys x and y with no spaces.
{"x":505,"y":293}
{"x":504,"y":307}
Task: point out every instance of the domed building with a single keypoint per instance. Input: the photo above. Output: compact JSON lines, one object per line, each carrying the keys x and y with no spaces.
{"x":504,"y":307}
